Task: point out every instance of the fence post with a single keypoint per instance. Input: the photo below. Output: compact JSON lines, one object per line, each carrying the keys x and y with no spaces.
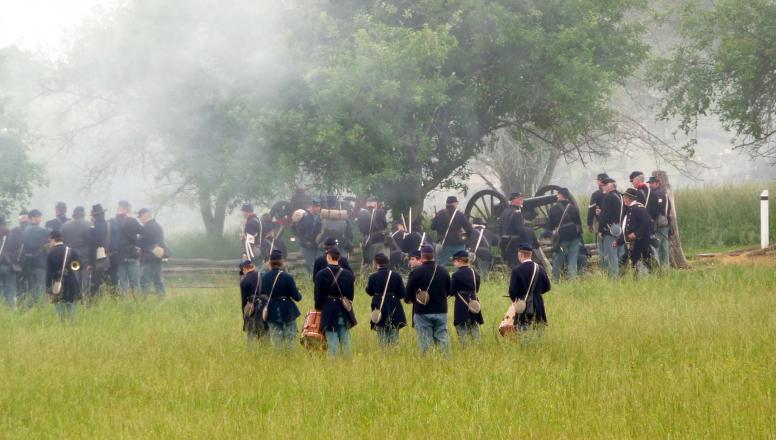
{"x":764,"y":219}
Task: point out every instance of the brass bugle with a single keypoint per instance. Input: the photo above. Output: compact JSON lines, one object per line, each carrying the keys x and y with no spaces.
{"x":75,"y":265}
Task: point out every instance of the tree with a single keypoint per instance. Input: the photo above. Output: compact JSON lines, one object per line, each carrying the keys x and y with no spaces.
{"x":18,"y":173}
{"x":164,"y":87}
{"x":405,"y":94}
{"x":724,"y":65}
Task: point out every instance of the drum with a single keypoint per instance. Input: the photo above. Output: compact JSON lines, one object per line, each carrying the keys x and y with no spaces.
{"x":312,"y":335}
{"x":507,"y":327}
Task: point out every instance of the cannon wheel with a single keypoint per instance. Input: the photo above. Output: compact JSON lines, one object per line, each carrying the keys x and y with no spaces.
{"x":543,"y":212}
{"x":487,"y":205}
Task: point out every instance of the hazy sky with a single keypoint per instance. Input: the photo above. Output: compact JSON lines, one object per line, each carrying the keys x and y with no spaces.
{"x":44,"y":25}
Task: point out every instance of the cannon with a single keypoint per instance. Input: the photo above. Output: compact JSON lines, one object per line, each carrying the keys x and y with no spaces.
{"x":488,"y":205}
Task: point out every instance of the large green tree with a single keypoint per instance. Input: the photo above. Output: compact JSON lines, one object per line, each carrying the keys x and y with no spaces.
{"x":724,"y":65}
{"x":164,"y":86}
{"x":401,"y":95}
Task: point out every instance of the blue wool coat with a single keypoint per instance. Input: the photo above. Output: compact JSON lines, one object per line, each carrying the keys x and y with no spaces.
{"x":282,"y":308}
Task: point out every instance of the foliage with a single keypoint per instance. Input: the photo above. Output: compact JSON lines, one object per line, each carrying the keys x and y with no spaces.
{"x":724,"y":65}
{"x":169,"y":87}
{"x":403,"y":94}
{"x":18,"y":174}
{"x":658,"y":358}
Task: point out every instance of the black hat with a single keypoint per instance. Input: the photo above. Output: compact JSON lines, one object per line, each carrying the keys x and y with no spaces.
{"x":97,"y":209}
{"x":79,"y":211}
{"x":478,"y":221}
{"x":633,"y":193}
{"x":608,"y":180}
{"x":451,"y":199}
{"x":635,"y":174}
{"x":55,"y":235}
{"x":653,"y":179}
{"x":398,"y":222}
{"x":245,"y":263}
{"x":330,"y":241}
{"x":35,"y":213}
{"x":602,"y":176}
{"x":415,"y":254}
{"x":515,"y":195}
{"x":124,"y":204}
{"x":143,"y":211}
{"x":565,"y":192}
{"x":275,"y":255}
{"x":525,"y":247}
{"x":315,"y":201}
{"x":247,"y":207}
{"x":334,"y":252}
{"x":427,"y":249}
{"x":381,"y":259}
{"x":60,"y":205}
{"x":331,"y":201}
{"x":372,"y":199}
{"x":461,"y":254}
{"x":24,"y":212}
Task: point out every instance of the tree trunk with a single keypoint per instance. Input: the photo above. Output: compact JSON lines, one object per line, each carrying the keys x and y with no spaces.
{"x":213,"y":220}
{"x":676,"y":253}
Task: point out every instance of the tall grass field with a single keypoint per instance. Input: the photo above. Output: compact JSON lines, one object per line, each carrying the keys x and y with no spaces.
{"x":690,"y":354}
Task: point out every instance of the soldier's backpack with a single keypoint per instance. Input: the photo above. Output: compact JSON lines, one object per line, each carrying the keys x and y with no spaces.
{"x":334,"y":223}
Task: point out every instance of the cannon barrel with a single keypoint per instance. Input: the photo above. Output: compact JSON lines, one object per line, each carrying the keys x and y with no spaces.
{"x":535,"y":202}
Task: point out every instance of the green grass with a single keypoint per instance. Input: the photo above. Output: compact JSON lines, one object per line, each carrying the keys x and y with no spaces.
{"x":689,"y":355}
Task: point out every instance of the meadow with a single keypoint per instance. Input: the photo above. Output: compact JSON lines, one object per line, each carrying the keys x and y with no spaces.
{"x":690,"y":354}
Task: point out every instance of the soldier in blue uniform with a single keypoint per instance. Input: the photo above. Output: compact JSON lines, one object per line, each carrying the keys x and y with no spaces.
{"x":659,"y":211}
{"x":253,"y":301}
{"x":429,"y":319}
{"x":125,"y":232}
{"x":452,"y":228}
{"x":593,"y":212}
{"x":637,"y":231}
{"x":529,"y":282}
{"x":306,"y":228}
{"x":35,"y":241}
{"x":99,"y":245}
{"x":282,"y":294}
{"x":610,"y":226}
{"x":512,"y":229}
{"x":566,"y":225}
{"x":60,"y":217}
{"x":372,"y":224}
{"x":7,"y":255}
{"x":59,"y":269}
{"x":464,"y":285}
{"x":251,"y":235}
{"x":392,"y":317}
{"x":334,"y":287}
{"x":151,"y":265}
{"x":321,"y":262}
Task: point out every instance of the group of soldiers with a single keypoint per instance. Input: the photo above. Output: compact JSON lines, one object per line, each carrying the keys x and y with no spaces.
{"x":630,"y":226}
{"x":69,"y":258}
{"x":268,"y":299}
{"x":633,"y":226}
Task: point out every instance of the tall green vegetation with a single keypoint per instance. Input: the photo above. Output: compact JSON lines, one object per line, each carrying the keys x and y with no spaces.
{"x":687,"y":355}
{"x":402,"y":95}
{"x":724,"y":66}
